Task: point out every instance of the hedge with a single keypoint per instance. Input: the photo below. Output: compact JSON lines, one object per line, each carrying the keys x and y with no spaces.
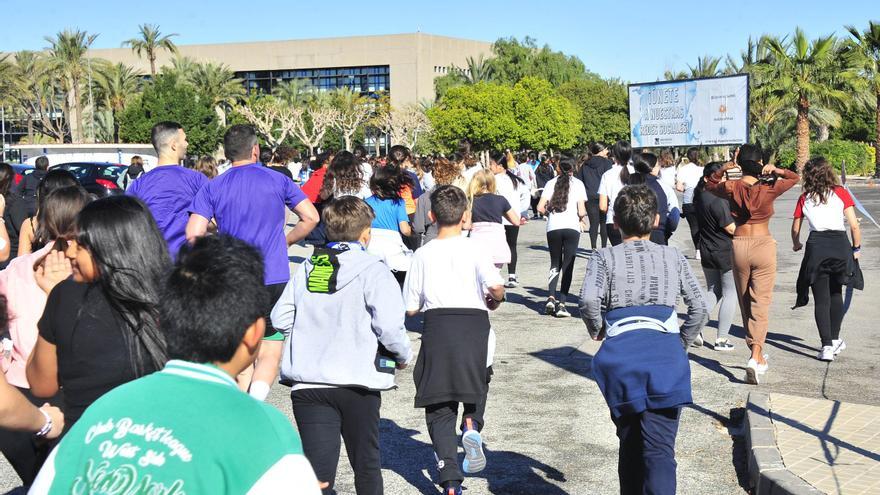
{"x":859,"y":157}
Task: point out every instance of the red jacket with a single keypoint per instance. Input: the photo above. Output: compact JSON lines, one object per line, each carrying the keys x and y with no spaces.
{"x":312,"y":187}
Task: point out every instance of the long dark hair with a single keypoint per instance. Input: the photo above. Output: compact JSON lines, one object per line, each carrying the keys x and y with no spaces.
{"x":709,"y":169}
{"x":559,"y":201}
{"x":500,"y":158}
{"x":343,"y":175}
{"x":622,"y":152}
{"x":57,"y":216}
{"x":132,"y":262}
{"x":7,"y":174}
{"x":54,"y":179}
{"x":643,"y":165}
{"x":819,"y":179}
{"x":386,"y":182}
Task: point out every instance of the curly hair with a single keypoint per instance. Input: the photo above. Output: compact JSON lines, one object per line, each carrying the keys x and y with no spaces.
{"x":386,"y":182}
{"x":445,"y":171}
{"x":344,"y":175}
{"x":819,"y":179}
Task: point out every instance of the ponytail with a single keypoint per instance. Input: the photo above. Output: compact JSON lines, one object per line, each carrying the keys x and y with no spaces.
{"x":559,"y":201}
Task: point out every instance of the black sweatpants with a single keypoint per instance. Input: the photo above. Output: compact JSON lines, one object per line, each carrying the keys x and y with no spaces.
{"x":646,"y":461}
{"x":511,"y":232}
{"x":614,"y":236}
{"x":322,"y":414}
{"x":828,"y":299}
{"x":597,"y":223}
{"x":563,"y":244}
{"x":689,"y":212}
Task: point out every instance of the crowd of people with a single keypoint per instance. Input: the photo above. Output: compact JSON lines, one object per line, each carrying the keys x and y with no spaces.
{"x":143,"y":332}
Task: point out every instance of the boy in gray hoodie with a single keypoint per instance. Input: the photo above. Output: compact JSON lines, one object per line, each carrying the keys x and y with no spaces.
{"x":343,"y":318}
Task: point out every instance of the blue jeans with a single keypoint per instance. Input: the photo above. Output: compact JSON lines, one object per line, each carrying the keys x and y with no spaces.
{"x":646,"y":462}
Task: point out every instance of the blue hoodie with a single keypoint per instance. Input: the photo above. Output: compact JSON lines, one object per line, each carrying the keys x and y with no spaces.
{"x":342,"y":314}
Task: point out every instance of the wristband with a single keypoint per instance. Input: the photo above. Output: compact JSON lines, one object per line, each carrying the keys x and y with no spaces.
{"x":46,"y":427}
{"x":856,"y":249}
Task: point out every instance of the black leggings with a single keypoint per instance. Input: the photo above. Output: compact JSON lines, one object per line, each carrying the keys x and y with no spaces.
{"x":689,"y":212}
{"x":597,"y":223}
{"x":563,"y":245}
{"x":512,"y":233}
{"x":614,"y":236}
{"x":828,"y":298}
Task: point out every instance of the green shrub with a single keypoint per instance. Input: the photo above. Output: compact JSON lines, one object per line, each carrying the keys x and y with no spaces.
{"x":859,"y":157}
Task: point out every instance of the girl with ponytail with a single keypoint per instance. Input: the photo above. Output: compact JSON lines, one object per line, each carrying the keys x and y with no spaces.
{"x":610,"y":185}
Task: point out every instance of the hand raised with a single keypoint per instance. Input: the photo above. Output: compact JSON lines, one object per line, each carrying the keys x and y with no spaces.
{"x":54,"y":268}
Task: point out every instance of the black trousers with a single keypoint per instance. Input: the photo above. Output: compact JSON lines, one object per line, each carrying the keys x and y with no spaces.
{"x":689,"y":212}
{"x":828,"y":300}
{"x":614,"y":236}
{"x":322,"y":414}
{"x":646,"y":462}
{"x":23,"y":451}
{"x":534,"y":202}
{"x":563,"y":244}
{"x":441,"y":419}
{"x":511,"y":232}
{"x":597,"y":223}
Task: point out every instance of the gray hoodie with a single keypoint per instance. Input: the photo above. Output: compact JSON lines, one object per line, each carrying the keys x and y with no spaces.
{"x":342,"y":315}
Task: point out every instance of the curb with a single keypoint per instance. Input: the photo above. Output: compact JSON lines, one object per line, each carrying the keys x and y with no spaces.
{"x":767,"y":472}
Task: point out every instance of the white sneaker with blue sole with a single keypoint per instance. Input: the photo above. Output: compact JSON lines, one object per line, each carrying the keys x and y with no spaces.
{"x":474,"y":458}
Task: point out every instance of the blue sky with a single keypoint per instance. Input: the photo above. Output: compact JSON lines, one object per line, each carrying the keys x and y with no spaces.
{"x":634,"y":40}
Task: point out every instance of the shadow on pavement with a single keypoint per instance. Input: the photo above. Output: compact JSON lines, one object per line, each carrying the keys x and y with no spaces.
{"x":506,"y":472}
{"x":734,"y":426}
{"x":569,"y":359}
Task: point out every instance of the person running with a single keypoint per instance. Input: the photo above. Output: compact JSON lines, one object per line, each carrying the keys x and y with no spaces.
{"x":667,"y":168}
{"x":544,"y":172}
{"x":249,"y":202}
{"x":187,"y":428}
{"x":830,"y":260}
{"x":590,"y":175}
{"x":54,"y":179}
{"x":100,"y":327}
{"x":686,"y":180}
{"x":645,"y":172}
{"x":455,"y":285}
{"x":754,"y":249}
{"x":611,"y":183}
{"x":446,"y":172}
{"x":338,"y":367}
{"x":716,"y":249}
{"x":168,"y":189}
{"x":487,"y":211}
{"x":400,"y":161}
{"x":518,"y":195}
{"x":563,"y":201}
{"x":628,"y":301}
{"x":390,"y":221}
{"x":312,"y":187}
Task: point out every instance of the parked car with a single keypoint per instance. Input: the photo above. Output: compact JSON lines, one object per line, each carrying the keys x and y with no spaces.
{"x":98,"y":178}
{"x":21,"y":170}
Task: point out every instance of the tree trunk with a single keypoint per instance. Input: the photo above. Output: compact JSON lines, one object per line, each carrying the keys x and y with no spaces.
{"x":152,"y":66}
{"x":824,"y":133}
{"x":30,"y":127}
{"x":347,"y":137}
{"x":115,"y":126}
{"x":77,"y":114}
{"x":803,"y":133}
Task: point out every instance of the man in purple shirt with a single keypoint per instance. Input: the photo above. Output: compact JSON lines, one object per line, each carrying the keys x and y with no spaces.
{"x":168,"y":189}
{"x":248,"y":201}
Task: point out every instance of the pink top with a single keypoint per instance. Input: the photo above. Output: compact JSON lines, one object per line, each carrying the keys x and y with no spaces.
{"x":25,"y":301}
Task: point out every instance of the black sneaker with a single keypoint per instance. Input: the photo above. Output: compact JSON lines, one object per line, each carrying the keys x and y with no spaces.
{"x":511,"y":282}
{"x":550,"y":307}
{"x":561,"y":312}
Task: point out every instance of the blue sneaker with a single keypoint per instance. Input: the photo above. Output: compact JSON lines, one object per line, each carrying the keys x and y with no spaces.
{"x":474,"y":458}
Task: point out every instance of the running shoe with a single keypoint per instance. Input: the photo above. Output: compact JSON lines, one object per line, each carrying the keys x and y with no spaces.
{"x":550,"y":307}
{"x":838,"y":346}
{"x":826,"y":354}
{"x":474,"y":458}
{"x":752,"y":372}
{"x":698,"y":342}
{"x":452,"y":490}
{"x":722,"y":345}
{"x":561,"y":312}
{"x":511,"y":282}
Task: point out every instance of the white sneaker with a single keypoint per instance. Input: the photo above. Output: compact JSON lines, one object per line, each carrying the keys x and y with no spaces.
{"x":561,"y":312}
{"x":698,"y":342}
{"x":752,"y":372}
{"x":697,"y":255}
{"x":826,"y":354}
{"x":838,"y":346}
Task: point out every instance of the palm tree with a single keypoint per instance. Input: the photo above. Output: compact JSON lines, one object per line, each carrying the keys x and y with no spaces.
{"x":218,"y":84}
{"x":866,"y":56}
{"x":115,"y":84}
{"x":27,"y":72}
{"x":479,"y":70}
{"x":804,"y":72}
{"x":150,"y":42}
{"x":181,"y":66}
{"x":67,"y":56}
{"x":707,"y":66}
{"x":296,"y":92}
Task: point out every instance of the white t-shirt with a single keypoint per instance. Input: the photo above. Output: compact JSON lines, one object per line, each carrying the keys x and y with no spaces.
{"x":828,"y":215}
{"x":504,"y":187}
{"x":568,"y":219}
{"x":667,"y":176}
{"x":525,"y":172}
{"x":689,"y":175}
{"x":671,"y":198}
{"x":468,"y":173}
{"x":610,"y":185}
{"x":449,"y":273}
